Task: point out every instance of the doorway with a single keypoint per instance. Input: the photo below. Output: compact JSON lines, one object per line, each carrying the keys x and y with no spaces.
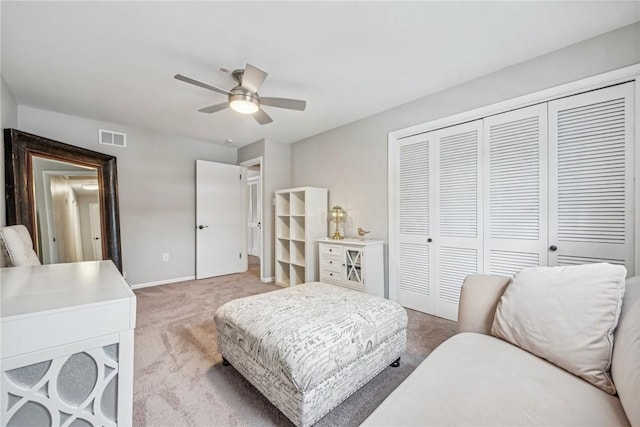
{"x":255,"y":235}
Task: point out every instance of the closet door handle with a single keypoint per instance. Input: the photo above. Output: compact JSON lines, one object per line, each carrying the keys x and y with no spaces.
{"x":429,"y":240}
{"x":553,"y":248}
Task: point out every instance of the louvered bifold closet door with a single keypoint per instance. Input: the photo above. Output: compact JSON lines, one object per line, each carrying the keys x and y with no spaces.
{"x":457,"y":241}
{"x":413,"y":284}
{"x":515,"y":195}
{"x":591,"y":179}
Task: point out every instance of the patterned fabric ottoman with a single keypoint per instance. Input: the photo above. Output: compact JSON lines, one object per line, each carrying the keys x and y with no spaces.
{"x":309,"y":347}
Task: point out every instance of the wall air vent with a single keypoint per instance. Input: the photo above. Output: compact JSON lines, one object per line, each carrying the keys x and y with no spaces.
{"x":109,"y":137}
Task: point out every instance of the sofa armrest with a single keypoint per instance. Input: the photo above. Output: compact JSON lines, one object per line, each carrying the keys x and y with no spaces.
{"x":479,"y":298}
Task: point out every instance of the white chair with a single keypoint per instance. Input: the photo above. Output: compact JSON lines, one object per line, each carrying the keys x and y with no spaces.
{"x":17,"y":246}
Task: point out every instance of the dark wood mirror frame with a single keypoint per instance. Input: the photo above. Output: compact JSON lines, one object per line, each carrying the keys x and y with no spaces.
{"x":19,"y":149}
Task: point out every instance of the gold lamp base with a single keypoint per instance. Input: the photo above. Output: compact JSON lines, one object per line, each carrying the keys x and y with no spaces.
{"x":337,"y":235}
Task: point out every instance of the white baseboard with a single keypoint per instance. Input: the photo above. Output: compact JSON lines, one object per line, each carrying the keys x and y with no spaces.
{"x":163,"y":282}
{"x":267,"y":279}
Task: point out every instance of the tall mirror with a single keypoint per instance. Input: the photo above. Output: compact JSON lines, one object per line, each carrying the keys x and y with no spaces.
{"x":66,"y":196}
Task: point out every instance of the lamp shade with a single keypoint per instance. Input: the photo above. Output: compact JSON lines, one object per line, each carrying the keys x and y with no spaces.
{"x":337,"y":214}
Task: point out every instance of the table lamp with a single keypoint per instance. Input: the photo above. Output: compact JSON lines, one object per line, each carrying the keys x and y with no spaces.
{"x":336,"y":214}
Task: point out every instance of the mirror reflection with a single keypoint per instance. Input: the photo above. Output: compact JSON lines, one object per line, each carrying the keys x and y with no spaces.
{"x":67,"y":211}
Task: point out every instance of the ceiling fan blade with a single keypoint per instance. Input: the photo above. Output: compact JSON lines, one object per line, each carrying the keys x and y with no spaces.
{"x":197,"y":83}
{"x":214,"y":108}
{"x":253,"y":78}
{"x":290,"y":104}
{"x":262,"y":117}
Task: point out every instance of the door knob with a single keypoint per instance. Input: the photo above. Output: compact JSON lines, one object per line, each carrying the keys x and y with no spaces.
{"x":203,"y":226}
{"x":429,"y":240}
{"x":553,"y":248}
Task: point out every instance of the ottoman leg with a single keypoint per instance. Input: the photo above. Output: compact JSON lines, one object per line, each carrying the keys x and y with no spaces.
{"x":394,"y":364}
{"x":225,"y":362}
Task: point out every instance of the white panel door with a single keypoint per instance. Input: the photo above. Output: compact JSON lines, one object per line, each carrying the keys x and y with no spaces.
{"x":591,"y":177}
{"x":457,"y":235}
{"x":96,"y":230}
{"x":413,"y":285}
{"x":221,"y":219}
{"x":515,"y":195}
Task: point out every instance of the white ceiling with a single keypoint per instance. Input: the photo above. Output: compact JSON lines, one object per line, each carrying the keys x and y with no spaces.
{"x":115,"y":61}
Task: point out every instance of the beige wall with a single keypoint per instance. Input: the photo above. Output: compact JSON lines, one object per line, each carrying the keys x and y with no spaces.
{"x":351,"y":161}
{"x":156,"y":179}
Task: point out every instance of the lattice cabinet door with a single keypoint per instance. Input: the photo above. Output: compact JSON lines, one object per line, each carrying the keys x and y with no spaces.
{"x":353,"y":265}
{"x":71,"y":385}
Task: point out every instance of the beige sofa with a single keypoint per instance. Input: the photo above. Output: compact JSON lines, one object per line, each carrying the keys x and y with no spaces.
{"x":476,"y":379}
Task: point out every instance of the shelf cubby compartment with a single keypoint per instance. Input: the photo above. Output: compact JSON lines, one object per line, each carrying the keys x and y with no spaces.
{"x":282,"y":203}
{"x":283,"y":277}
{"x":297,"y":275}
{"x":297,"y":228}
{"x":282,"y":249}
{"x":282,"y":225}
{"x":297,"y":203}
{"x":297,"y":253}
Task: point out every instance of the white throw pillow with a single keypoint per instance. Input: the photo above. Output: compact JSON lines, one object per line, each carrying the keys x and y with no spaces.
{"x":566,"y":315}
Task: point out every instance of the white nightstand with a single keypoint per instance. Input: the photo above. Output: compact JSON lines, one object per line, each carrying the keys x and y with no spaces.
{"x":354,"y":264}
{"x":66,"y":345}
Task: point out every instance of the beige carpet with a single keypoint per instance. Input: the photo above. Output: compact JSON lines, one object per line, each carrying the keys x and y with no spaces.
{"x":179,"y":379}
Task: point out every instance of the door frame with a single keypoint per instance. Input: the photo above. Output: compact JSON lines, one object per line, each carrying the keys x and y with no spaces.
{"x":254,"y":181}
{"x":258,"y":161}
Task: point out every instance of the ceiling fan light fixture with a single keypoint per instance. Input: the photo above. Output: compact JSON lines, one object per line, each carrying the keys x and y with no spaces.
{"x":244,"y":97}
{"x":243,"y":103}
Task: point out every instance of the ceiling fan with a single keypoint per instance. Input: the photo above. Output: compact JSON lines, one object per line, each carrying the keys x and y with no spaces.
{"x":244,"y":97}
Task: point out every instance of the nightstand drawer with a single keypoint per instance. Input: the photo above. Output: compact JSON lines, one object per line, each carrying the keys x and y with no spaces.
{"x":331,"y":262}
{"x":330,"y":275}
{"x":330,"y":249}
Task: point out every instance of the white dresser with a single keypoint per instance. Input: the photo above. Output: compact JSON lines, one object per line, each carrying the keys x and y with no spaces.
{"x":67,"y":345}
{"x":354,"y":264}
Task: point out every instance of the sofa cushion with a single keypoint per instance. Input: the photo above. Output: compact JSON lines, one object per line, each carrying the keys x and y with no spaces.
{"x":473,"y":379}
{"x":566,"y":315}
{"x":625,"y":365}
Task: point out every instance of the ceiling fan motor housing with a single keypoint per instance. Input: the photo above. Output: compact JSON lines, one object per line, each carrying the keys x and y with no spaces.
{"x":237,"y":75}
